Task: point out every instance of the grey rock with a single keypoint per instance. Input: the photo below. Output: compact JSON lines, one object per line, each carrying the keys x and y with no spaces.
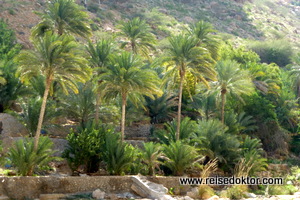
{"x":11,"y":127}
{"x":98,"y":194}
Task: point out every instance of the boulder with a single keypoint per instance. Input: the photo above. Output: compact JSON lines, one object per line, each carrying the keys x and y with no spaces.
{"x":98,"y":194}
{"x":11,"y":127}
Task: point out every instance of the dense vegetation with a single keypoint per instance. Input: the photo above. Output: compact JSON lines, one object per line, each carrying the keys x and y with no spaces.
{"x":235,"y":106}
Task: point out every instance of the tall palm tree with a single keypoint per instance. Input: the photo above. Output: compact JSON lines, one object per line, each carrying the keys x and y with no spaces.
{"x":205,"y":32}
{"x":126,"y":78}
{"x":232,"y":81}
{"x":138,"y":36}
{"x":185,"y":57}
{"x":57,"y":59}
{"x":63,"y":17}
{"x":99,"y":58}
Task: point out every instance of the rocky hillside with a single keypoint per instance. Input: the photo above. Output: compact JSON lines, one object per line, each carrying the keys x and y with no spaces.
{"x":254,"y":20}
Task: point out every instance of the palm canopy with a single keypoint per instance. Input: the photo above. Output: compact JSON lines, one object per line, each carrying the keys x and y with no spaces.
{"x":186,"y":58}
{"x":232,"y":81}
{"x":205,"y":32}
{"x":63,"y":17}
{"x":99,"y":54}
{"x":57,"y":58}
{"x":126,"y":78}
{"x":138,"y":36}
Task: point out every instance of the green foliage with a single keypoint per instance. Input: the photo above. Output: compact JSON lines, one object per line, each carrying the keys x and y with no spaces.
{"x":282,"y":189}
{"x":161,"y":109}
{"x":215,"y":142}
{"x":80,"y":106}
{"x":276,"y":51}
{"x":31,"y":112}
{"x":86,"y":147}
{"x":63,"y":17}
{"x":150,"y":155}
{"x":26,"y":160}
{"x":188,"y":128}
{"x":2,"y":155}
{"x":139,"y":38}
{"x":7,"y":40}
{"x":235,"y":192}
{"x":252,"y":153}
{"x":179,"y":157}
{"x":118,"y":155}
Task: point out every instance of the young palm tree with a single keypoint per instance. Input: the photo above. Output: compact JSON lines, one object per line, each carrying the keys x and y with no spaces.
{"x":57,"y":59}
{"x":204,"y":31}
{"x":125,"y":78}
{"x":138,"y":36}
{"x":184,"y":56}
{"x":99,"y":57}
{"x":232,"y":81}
{"x":63,"y":17}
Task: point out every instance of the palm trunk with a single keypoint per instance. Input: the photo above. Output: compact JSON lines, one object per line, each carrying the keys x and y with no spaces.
{"x":223,"y":93}
{"x":123,"y":116}
{"x":179,"y":106}
{"x":42,"y":113}
{"x":98,"y":103}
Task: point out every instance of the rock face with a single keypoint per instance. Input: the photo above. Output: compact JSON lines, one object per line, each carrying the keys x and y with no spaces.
{"x":11,"y":127}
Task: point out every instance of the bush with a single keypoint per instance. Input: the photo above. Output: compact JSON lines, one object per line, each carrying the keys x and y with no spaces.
{"x":277,"y":51}
{"x":235,"y":192}
{"x":86,"y":147}
{"x":188,"y":127}
{"x":215,"y":142}
{"x":119,"y":156}
{"x":179,"y":157}
{"x":150,"y":155}
{"x":26,"y":160}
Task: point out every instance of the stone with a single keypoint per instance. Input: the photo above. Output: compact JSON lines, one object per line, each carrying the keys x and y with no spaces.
{"x":98,"y":194}
{"x":214,"y":198}
{"x":4,"y":198}
{"x":51,"y":196}
{"x":187,"y":198}
{"x":150,"y":189}
{"x":251,"y":195}
{"x":297,"y":195}
{"x":194,"y":193}
{"x":11,"y":127}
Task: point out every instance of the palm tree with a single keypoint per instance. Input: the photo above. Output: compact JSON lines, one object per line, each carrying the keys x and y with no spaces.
{"x":138,"y":36}
{"x":57,"y":59}
{"x":63,"y":17}
{"x":126,"y":78}
{"x":232,"y":81}
{"x":205,"y":32}
{"x":185,"y":57}
{"x":99,"y":57}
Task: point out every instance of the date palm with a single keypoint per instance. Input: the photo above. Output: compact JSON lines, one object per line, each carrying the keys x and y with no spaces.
{"x":57,"y":58}
{"x":185,"y":57}
{"x":63,"y":17}
{"x":126,"y":78}
{"x":232,"y":81}
{"x":205,"y":32}
{"x":138,"y":36}
{"x":99,"y":56}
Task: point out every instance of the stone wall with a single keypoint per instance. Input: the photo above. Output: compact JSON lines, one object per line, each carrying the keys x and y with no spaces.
{"x":32,"y":187}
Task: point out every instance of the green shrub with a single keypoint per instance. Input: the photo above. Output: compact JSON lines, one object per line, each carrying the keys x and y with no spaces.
{"x":179,"y":157}
{"x":26,"y":160}
{"x":235,"y":192}
{"x":188,"y":127}
{"x":150,"y":155}
{"x":86,"y":147}
{"x":282,"y":189}
{"x":277,"y":51}
{"x":214,"y":142}
{"x":119,"y":156}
